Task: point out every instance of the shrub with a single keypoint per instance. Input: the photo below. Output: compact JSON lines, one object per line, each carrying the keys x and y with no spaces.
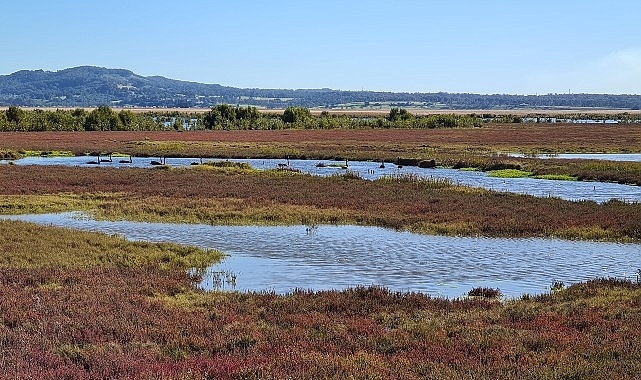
{"x":427,"y":164}
{"x":484,"y":292}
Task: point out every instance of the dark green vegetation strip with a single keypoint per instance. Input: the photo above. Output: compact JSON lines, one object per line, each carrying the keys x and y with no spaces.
{"x":220,"y":117}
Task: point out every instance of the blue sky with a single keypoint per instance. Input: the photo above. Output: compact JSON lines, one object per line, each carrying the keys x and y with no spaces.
{"x":488,"y":47}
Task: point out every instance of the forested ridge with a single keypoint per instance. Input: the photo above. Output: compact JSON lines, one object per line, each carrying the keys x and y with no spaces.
{"x":89,"y":86}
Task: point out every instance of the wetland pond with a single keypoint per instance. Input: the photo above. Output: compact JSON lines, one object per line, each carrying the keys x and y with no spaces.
{"x":570,"y":190}
{"x":284,"y":258}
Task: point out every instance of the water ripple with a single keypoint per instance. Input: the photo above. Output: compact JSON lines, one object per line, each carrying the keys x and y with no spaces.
{"x":282,"y":259}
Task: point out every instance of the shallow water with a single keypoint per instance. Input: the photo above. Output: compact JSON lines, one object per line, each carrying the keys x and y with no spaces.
{"x":570,"y":190}
{"x":281,"y":259}
{"x":631,"y":157}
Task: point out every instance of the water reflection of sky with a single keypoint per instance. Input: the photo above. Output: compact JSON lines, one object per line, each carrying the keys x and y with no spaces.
{"x":570,"y":190}
{"x":282,"y":259}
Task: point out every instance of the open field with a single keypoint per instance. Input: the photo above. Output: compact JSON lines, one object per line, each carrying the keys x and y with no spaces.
{"x":514,"y":112}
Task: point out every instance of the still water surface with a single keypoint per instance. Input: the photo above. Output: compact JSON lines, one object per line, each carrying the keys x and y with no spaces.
{"x":282,"y":259}
{"x":630,"y":157}
{"x":570,"y":190}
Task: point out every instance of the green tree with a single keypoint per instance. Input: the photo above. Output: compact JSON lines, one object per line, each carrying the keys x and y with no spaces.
{"x":247,"y":113}
{"x":397,"y":114}
{"x":37,"y":121}
{"x":212,"y":119}
{"x":128,"y":120}
{"x":179,"y":123}
{"x":296,"y":115}
{"x":226,"y":116}
{"x":60,"y":120}
{"x":4,"y":124}
{"x":14,"y":115}
{"x":78,"y":117}
{"x":102,"y":118}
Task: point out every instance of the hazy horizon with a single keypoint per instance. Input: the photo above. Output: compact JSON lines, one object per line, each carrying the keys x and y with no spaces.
{"x":496,"y":47}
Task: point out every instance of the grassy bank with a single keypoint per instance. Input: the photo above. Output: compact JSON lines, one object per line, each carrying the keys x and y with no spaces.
{"x":28,"y":246}
{"x":247,"y":197}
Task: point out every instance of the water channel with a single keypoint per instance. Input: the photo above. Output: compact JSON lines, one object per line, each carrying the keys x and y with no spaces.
{"x":570,"y":190}
{"x":281,"y":259}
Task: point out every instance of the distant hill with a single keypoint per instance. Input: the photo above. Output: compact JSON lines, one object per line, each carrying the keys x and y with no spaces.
{"x":89,"y":86}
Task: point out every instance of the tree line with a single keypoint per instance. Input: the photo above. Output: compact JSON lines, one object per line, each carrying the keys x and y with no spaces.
{"x":220,"y":117}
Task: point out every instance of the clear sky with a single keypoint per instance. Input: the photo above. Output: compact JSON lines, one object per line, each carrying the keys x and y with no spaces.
{"x":487,"y":47}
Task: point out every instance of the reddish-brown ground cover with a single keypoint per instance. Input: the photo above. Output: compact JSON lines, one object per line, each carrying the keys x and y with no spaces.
{"x":555,"y":137}
{"x":143,"y":323}
{"x":397,"y":204}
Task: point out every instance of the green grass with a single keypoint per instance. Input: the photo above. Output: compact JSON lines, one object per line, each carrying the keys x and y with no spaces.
{"x":509,"y":173}
{"x":516,"y":173}
{"x":48,"y":153}
{"x":556,"y":177}
{"x":40,"y":204}
{"x":229,"y":166}
{"x":27,"y":245}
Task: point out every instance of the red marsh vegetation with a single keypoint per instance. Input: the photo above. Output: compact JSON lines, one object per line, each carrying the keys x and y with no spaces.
{"x":142,"y":319}
{"x":142,"y":323}
{"x":542,"y":137}
{"x":217,"y":197}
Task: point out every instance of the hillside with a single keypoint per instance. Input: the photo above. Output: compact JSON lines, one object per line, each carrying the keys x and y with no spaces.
{"x":89,"y":86}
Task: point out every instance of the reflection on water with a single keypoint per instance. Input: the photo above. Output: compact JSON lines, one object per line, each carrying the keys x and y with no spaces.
{"x":282,"y":259}
{"x":570,"y":190}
